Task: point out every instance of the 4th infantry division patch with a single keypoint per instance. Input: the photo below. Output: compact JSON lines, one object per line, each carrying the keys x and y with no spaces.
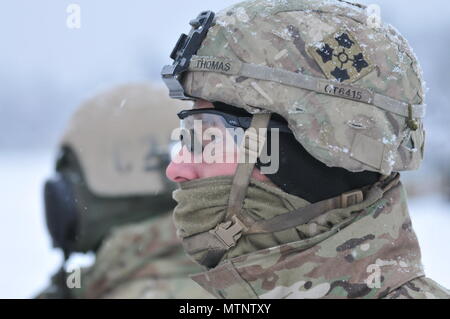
{"x":341,"y":58}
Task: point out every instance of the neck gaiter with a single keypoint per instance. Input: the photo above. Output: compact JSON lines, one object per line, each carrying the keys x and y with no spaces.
{"x":202,"y":205}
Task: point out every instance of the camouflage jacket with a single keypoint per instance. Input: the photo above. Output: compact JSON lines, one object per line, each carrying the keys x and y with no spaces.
{"x":144,"y":260}
{"x":374,"y":254}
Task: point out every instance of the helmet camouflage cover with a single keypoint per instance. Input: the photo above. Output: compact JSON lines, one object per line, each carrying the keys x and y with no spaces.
{"x":111,"y":166}
{"x":351,"y":92}
{"x":119,"y":139}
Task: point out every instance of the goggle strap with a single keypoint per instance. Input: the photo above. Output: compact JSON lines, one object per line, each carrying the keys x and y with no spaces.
{"x":244,"y":171}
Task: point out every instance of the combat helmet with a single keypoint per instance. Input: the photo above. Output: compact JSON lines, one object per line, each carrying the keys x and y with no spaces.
{"x":351,"y":92}
{"x":110,"y":170}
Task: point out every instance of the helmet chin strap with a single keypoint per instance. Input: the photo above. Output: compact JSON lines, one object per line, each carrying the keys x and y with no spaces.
{"x":229,"y":232}
{"x":251,"y":148}
{"x":218,"y":241}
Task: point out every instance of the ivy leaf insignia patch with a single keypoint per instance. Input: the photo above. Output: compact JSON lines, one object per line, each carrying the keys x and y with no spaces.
{"x":341,"y":58}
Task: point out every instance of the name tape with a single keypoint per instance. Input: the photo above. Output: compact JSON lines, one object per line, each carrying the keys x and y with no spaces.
{"x":214,"y":64}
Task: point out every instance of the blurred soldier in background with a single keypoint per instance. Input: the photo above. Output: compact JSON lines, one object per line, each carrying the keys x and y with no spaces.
{"x":110,"y":196}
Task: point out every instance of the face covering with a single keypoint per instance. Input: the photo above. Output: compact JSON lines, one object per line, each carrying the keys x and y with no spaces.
{"x":317,"y":183}
{"x":78,"y":220}
{"x":202,"y":205}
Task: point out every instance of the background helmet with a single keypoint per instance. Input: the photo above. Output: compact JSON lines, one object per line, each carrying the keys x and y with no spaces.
{"x":111,"y":166}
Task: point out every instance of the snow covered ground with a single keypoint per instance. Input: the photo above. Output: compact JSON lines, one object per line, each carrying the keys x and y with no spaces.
{"x":27,"y":259}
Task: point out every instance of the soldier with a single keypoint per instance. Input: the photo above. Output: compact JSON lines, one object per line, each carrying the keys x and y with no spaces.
{"x":110,"y":196}
{"x":346,"y":99}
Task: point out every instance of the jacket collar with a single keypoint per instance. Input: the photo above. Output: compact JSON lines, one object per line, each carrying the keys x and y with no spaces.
{"x":366,"y":257}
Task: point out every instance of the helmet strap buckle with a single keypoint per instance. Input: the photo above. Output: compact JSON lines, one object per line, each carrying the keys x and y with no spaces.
{"x":229,"y":232}
{"x":351,"y":198}
{"x":413,"y":125}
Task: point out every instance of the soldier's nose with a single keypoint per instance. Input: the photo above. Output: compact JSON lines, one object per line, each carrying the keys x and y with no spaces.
{"x":180,"y":170}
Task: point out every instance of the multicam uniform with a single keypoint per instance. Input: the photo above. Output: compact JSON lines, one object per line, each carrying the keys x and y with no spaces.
{"x":142,"y":261}
{"x":365,"y":251}
{"x":352,"y":94}
{"x":110,"y":196}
